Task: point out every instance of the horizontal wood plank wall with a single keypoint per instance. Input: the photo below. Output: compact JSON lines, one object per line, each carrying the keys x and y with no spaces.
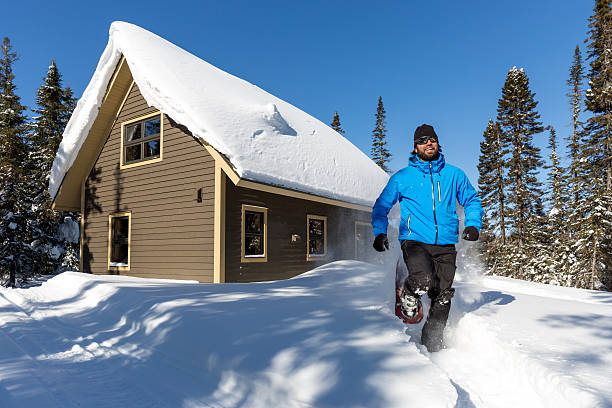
{"x":172,"y":234}
{"x":286,"y":216}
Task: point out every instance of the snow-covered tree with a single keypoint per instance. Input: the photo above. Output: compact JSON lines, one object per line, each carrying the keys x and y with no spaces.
{"x":574,"y":83}
{"x":54,"y":107}
{"x":336,"y":123}
{"x":552,"y":255}
{"x":519,"y":122}
{"x":557,"y":184}
{"x":595,"y":233}
{"x":379,"y":152}
{"x":15,"y":251}
{"x":491,"y":192}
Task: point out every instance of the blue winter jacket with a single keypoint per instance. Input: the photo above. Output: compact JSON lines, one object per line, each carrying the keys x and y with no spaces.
{"x":428,"y":192}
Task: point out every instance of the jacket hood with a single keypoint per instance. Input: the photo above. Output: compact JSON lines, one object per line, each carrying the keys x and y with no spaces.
{"x":436,"y":165}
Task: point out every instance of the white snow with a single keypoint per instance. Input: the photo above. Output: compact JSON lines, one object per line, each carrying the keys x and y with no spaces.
{"x":265,"y":138}
{"x":69,"y":230}
{"x":327,"y":338}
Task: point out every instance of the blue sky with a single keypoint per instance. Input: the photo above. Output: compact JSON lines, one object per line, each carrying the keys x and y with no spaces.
{"x":437,"y":62}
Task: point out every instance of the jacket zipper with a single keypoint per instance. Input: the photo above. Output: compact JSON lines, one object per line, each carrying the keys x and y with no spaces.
{"x":439,"y":196}
{"x":408,"y":225}
{"x":433,"y":199}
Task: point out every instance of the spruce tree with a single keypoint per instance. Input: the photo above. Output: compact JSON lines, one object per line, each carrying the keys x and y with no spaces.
{"x":54,"y":107}
{"x":491,"y":192}
{"x":596,"y":226}
{"x":575,"y":95}
{"x":336,"y":124}
{"x":379,"y":152}
{"x":15,"y":251}
{"x":519,"y":122}
{"x":556,"y":259}
{"x":557,"y":182}
{"x":598,"y":97}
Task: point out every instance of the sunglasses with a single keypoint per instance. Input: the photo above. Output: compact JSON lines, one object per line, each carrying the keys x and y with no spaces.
{"x":424,"y":139}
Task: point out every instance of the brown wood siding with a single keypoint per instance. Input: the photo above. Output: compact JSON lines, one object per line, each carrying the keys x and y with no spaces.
{"x":171,"y":233}
{"x":286,"y":216}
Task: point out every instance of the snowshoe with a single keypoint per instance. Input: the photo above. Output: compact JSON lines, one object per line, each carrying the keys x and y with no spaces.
{"x":408,"y":308}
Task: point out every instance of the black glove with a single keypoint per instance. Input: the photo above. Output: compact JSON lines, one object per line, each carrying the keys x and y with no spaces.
{"x":470,"y":233}
{"x":381,"y":242}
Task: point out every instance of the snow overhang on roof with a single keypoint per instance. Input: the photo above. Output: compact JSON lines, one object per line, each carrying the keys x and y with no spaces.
{"x":266,"y":139}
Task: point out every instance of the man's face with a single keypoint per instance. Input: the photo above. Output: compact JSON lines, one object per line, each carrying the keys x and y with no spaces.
{"x":428,"y":151}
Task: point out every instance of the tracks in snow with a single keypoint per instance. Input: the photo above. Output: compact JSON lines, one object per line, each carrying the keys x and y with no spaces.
{"x":488,"y":372}
{"x":65,"y":375}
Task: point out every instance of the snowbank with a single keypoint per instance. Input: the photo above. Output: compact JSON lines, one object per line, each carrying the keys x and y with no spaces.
{"x":327,"y":338}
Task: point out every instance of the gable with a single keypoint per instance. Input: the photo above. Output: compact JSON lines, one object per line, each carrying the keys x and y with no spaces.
{"x":68,"y":197}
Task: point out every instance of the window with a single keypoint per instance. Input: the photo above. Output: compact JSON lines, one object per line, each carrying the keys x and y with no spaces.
{"x":254,"y":234}
{"x":316,"y":241}
{"x":141,"y":141}
{"x":119,"y":231}
{"x":364,"y":236}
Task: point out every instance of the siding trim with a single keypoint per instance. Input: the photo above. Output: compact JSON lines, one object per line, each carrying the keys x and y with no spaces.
{"x":244,"y":258}
{"x":324,"y":255}
{"x":114,"y":77}
{"x":125,"y":98}
{"x":82,"y":225}
{"x":219,"y":226}
{"x":110,"y":230}
{"x":161,"y":138}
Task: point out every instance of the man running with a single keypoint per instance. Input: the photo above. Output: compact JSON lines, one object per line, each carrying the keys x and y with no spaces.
{"x":428,"y":189}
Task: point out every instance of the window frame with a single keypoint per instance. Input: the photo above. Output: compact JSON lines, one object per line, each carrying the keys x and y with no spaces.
{"x":143,"y":120}
{"x":316,"y":257}
{"x":253,"y":258}
{"x":114,"y":266}
{"x":362,"y":223}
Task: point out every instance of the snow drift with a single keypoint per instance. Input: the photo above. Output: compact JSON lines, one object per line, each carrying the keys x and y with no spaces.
{"x":327,"y":338}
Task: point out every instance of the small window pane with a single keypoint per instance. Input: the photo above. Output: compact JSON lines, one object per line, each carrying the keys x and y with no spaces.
{"x":315,"y":227}
{"x":133,"y":153}
{"x":316,"y":247}
{"x":253,"y":222}
{"x":119,"y":245}
{"x":253,"y":245}
{"x":152,"y":148}
{"x":133,"y":132}
{"x":152,"y":127}
{"x":253,"y":233}
{"x":316,"y":237}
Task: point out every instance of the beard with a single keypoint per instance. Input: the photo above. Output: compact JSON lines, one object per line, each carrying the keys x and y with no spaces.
{"x":428,"y":156}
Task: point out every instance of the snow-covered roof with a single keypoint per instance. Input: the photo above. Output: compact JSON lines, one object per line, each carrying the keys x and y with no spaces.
{"x":266,"y":139}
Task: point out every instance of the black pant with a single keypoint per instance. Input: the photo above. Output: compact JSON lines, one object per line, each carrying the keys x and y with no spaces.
{"x":431,"y":269}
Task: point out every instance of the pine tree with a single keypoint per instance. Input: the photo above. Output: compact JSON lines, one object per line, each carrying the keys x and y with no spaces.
{"x":575,"y":94}
{"x":557,"y":257}
{"x":15,"y":252}
{"x":599,"y":97}
{"x":379,"y":152}
{"x":491,"y":192}
{"x":596,"y":231}
{"x":336,"y":124}
{"x":557,"y":182}
{"x":54,"y":107}
{"x":519,"y":122}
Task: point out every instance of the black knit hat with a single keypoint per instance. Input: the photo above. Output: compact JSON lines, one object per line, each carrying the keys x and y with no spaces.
{"x":424,"y":130}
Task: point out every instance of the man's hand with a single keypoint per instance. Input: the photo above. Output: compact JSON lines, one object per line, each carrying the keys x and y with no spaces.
{"x":470,"y":233}
{"x":381,"y":242}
